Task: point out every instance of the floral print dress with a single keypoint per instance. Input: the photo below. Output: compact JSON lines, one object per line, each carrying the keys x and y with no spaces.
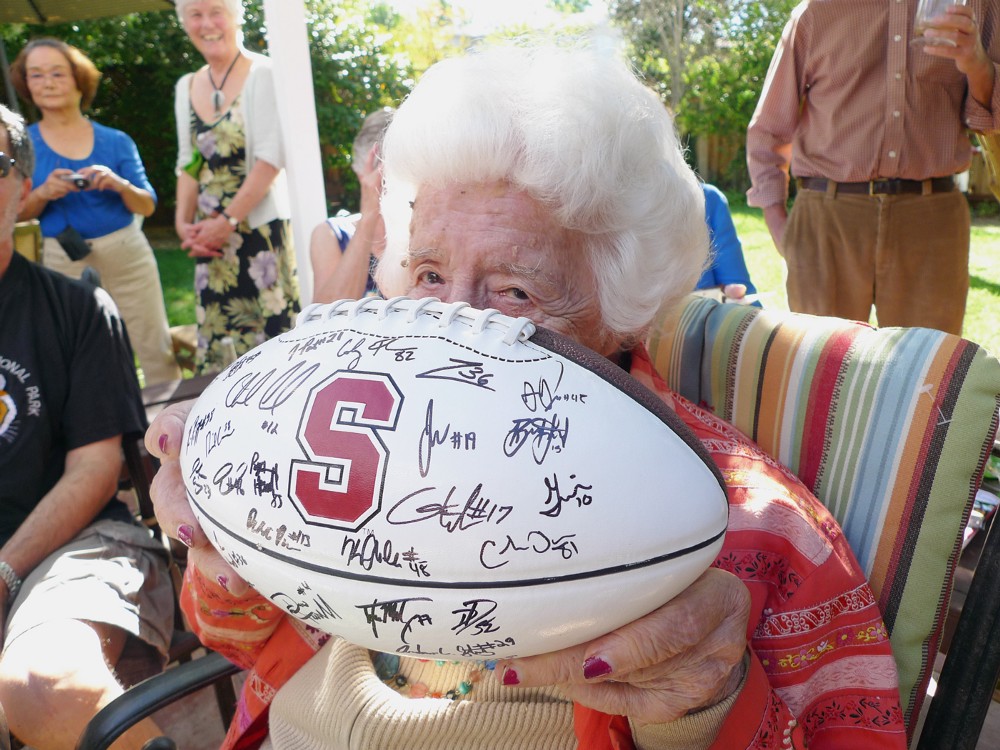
{"x":251,"y":293}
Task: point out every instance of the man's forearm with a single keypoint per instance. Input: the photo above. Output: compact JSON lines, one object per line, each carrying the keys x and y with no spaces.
{"x":89,"y":480}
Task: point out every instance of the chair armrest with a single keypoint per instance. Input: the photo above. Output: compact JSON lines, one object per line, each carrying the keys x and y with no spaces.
{"x":150,"y":696}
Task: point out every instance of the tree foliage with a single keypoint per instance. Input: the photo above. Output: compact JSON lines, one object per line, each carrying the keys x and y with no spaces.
{"x":429,"y":34}
{"x":667,"y":35}
{"x":707,"y":58}
{"x":722,"y":85}
{"x":355,"y":70}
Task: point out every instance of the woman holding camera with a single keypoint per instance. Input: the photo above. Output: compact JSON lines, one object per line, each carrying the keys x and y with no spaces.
{"x":89,"y":183}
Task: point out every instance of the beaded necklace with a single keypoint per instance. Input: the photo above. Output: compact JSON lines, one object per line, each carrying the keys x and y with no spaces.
{"x":387,"y":668}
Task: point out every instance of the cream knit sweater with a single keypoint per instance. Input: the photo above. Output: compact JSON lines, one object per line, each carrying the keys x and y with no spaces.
{"x":337,"y":702}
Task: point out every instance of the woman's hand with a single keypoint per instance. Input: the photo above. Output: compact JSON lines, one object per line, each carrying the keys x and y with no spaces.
{"x":137,"y":200}
{"x":208,"y":237}
{"x":104,"y":178}
{"x":685,"y":656}
{"x":198,"y":242}
{"x":170,"y":503}
{"x":56,"y":185}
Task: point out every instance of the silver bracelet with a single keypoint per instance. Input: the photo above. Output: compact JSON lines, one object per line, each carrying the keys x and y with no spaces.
{"x":9,"y":575}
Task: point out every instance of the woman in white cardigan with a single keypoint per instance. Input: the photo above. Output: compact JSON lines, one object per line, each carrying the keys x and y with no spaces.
{"x":232,"y":201}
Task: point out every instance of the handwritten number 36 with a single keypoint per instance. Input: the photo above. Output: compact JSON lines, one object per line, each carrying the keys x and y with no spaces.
{"x":342,"y":480}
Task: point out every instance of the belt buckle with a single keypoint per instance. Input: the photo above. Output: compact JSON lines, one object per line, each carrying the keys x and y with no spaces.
{"x":883,"y":187}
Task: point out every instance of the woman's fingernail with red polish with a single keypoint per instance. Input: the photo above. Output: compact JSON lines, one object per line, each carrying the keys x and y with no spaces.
{"x":185,"y":533}
{"x":510,"y":677}
{"x":163,"y":443}
{"x":595,"y":667}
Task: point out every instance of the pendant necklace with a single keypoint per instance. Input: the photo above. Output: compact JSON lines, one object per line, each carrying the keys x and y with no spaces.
{"x":218,"y":98}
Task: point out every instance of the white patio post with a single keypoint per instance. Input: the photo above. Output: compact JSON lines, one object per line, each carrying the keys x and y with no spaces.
{"x":288,"y":44}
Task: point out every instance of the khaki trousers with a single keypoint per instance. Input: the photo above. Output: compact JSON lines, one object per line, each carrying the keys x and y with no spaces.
{"x":128,"y":270}
{"x":908,"y":255}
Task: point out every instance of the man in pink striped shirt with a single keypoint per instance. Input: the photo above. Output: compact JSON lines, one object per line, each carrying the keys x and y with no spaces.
{"x":872,"y":124}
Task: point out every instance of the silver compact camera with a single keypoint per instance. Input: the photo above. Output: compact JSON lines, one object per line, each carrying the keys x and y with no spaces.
{"x":82,"y":182}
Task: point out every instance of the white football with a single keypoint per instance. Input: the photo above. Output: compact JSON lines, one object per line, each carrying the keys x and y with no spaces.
{"x":436,"y":480}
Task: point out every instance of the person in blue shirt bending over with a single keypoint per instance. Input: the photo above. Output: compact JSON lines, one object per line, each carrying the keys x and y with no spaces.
{"x":89,"y":185}
{"x":728,"y":273}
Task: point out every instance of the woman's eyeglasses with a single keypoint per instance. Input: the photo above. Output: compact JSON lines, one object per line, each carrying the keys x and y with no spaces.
{"x":6,"y":163}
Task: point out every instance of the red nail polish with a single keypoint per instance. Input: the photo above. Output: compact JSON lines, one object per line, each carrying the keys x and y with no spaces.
{"x":510,"y":677}
{"x":224,"y":582}
{"x":594,"y":667}
{"x":163,"y":443}
{"x":185,"y":533}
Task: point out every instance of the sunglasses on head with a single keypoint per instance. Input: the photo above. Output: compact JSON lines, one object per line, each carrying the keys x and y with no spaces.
{"x":6,"y":163}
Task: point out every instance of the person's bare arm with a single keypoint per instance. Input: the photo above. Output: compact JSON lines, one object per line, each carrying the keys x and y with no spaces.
{"x":136,"y":199}
{"x":345,"y":276}
{"x":88,"y":482}
{"x":324,"y":257}
{"x":185,"y":204}
{"x":52,"y":188}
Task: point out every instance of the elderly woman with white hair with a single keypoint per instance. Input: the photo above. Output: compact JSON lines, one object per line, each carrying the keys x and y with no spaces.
{"x":232,"y":211}
{"x":549,"y":183}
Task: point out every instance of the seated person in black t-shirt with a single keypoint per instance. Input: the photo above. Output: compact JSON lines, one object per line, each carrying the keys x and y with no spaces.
{"x":79,"y":579}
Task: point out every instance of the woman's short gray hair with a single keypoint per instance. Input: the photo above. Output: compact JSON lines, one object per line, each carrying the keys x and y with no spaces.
{"x":235,"y":8}
{"x":576,"y":130}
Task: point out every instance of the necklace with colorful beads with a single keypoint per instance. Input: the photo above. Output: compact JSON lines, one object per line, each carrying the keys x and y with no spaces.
{"x":387,"y":668}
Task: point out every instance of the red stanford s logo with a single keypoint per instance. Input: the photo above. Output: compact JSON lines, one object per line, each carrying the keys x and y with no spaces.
{"x":340,"y":485}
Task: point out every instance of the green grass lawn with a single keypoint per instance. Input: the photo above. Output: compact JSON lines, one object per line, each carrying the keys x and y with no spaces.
{"x":982,"y":318}
{"x":177,"y":279}
{"x":982,"y":315}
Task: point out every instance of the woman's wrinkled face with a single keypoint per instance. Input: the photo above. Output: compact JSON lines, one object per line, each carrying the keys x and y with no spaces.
{"x":492,"y":245}
{"x":211,"y":27}
{"x":50,"y":79}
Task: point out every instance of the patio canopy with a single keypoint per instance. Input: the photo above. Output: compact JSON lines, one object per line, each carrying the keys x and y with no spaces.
{"x":288,"y":47}
{"x":60,"y":11}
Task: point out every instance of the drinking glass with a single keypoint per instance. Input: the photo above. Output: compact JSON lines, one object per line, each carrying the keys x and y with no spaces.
{"x":927,"y":11}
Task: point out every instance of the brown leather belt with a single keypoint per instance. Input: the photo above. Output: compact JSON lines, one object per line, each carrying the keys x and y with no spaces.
{"x":880,"y":187}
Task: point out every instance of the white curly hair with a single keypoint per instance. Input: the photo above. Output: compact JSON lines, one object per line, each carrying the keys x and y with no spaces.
{"x":575,"y":129}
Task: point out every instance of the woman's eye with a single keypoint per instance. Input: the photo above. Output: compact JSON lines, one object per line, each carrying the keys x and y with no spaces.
{"x":430,"y":277}
{"x":518,"y":294}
